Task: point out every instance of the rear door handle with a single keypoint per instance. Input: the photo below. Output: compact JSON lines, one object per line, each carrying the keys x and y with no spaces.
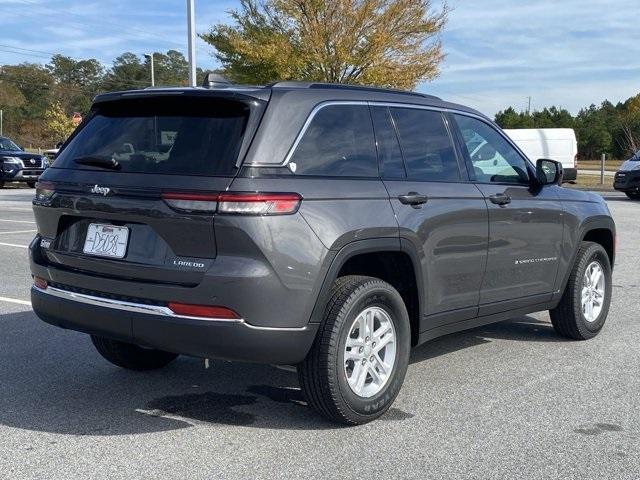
{"x":500,"y":198}
{"x":414,"y":199}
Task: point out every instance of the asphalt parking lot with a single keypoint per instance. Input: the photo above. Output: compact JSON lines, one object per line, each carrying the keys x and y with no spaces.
{"x":510,"y":400}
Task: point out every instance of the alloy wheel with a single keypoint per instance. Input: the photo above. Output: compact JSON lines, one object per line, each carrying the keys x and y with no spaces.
{"x":370,"y":352}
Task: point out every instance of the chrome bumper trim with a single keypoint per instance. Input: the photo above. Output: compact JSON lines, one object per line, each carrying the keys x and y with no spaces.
{"x":148,"y":309}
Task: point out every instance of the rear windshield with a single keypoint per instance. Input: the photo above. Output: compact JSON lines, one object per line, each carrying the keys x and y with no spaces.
{"x":180,"y":136}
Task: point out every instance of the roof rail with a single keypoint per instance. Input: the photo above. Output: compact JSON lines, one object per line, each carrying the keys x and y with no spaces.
{"x":367,"y":88}
{"x":345,"y":86}
{"x":288,"y":84}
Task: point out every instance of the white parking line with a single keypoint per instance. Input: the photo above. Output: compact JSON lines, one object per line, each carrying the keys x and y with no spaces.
{"x":16,"y":221}
{"x":13,"y":245}
{"x":18,"y":231}
{"x":15,"y":300}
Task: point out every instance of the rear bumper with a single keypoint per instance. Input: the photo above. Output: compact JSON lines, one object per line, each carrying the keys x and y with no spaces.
{"x":157,"y":327}
{"x":570,"y":174}
{"x":627,"y":181}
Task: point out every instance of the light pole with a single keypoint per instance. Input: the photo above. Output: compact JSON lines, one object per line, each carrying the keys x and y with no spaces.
{"x":1,"y":112}
{"x":153,"y":78}
{"x":191,"y":30}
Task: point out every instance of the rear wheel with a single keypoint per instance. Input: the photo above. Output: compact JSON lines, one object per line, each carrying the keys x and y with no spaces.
{"x":633,"y":195}
{"x":130,"y":356}
{"x":31,"y":184}
{"x":357,"y":364}
{"x":1,"y":184}
{"x":584,"y":306}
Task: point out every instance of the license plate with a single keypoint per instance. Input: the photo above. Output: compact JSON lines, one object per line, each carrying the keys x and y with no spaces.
{"x":106,"y":240}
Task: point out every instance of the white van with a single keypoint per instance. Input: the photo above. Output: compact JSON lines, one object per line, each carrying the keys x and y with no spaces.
{"x":553,"y":143}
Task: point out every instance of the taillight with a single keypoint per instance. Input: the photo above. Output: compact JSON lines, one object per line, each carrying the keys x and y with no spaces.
{"x":192,"y":202}
{"x":41,"y":283}
{"x":575,"y":161}
{"x":259,"y":203}
{"x":206,"y":311}
{"x":44,"y":191}
{"x":235,"y":203}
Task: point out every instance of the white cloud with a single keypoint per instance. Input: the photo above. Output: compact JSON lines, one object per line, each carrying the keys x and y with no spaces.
{"x":570,"y":53}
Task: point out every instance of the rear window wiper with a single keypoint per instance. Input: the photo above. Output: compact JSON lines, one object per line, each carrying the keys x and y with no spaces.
{"x":98,"y":161}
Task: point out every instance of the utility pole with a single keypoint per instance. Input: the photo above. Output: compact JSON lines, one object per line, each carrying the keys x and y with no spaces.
{"x":1,"y":113}
{"x":191,"y":30}
{"x":153,"y":77}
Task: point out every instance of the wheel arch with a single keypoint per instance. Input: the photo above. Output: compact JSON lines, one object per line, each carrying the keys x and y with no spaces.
{"x":600,"y":230}
{"x":373,"y":257}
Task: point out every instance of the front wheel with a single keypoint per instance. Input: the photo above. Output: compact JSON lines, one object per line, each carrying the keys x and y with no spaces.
{"x":358,"y":361}
{"x":633,"y":195}
{"x":130,"y":356}
{"x":31,"y":184}
{"x":584,"y":306}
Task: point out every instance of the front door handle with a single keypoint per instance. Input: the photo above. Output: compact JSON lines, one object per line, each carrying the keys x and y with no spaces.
{"x":500,"y":198}
{"x":414,"y":199}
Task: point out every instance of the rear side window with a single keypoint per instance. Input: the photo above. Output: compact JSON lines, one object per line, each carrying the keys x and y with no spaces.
{"x":426,"y":145}
{"x":338,"y":142}
{"x":182,"y":136}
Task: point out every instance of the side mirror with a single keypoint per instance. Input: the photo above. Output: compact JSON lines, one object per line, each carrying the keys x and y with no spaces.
{"x":549,"y":172}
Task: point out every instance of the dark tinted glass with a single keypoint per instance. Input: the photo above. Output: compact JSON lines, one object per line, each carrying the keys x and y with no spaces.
{"x":185,"y":136}
{"x":6,"y":144}
{"x":338,"y":142}
{"x":391,"y":164}
{"x":493,"y":158}
{"x":426,"y":145}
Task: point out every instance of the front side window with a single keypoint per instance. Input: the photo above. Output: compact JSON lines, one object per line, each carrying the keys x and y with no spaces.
{"x":338,"y":142}
{"x":493,"y":158}
{"x":426,"y":145}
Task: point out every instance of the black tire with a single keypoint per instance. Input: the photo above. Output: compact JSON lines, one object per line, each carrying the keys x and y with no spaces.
{"x":130,"y":356}
{"x":633,"y":195}
{"x":568,"y":318}
{"x":322,"y":374}
{"x":31,"y":184}
{"x":1,"y":184}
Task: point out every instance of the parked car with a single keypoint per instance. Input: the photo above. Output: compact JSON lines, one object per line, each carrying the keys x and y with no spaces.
{"x":627,"y":179}
{"x":555,"y":143}
{"x":323,"y":226}
{"x":52,"y":153}
{"x":16,"y":165}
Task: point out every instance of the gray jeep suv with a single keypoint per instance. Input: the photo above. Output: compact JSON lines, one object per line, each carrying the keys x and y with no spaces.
{"x":325,"y":226}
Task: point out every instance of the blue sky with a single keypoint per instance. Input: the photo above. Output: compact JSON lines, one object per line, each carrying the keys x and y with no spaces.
{"x":499,"y":52}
